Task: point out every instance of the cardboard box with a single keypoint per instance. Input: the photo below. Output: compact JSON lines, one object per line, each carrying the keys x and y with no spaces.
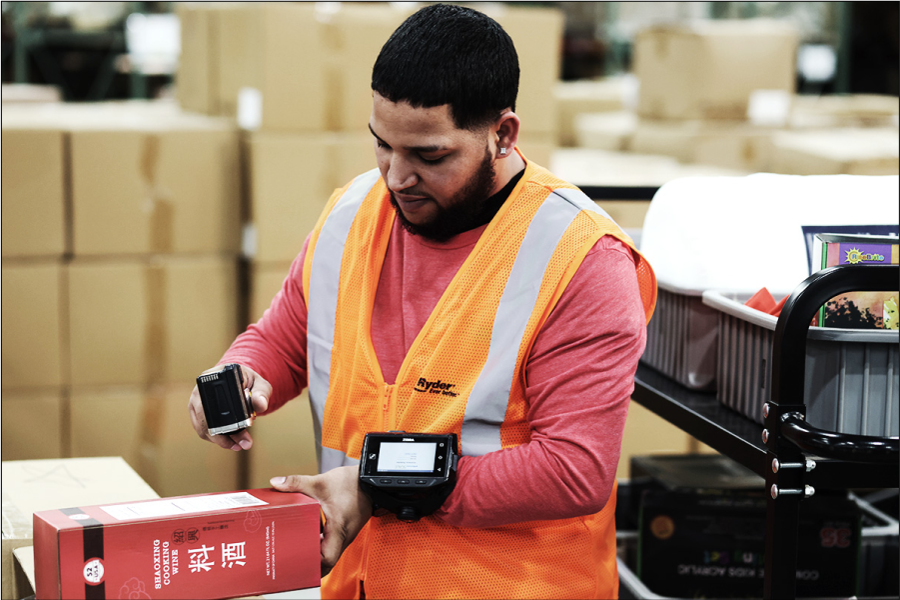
{"x":29,"y":92}
{"x":708,"y":69}
{"x":730,"y":144}
{"x":602,"y":168}
{"x":291,"y":179}
{"x":34,"y":325}
{"x":142,"y":176}
{"x":213,"y":545}
{"x":845,"y":110}
{"x":355,"y":154}
{"x":153,"y":433}
{"x":284,"y":443}
{"x":196,"y":85}
{"x":34,"y":190}
{"x":168,"y":319}
{"x":604,"y":131}
{"x":836,"y":151}
{"x":266,"y":280}
{"x":36,"y":485}
{"x":34,"y":415}
{"x":574,"y":98}
{"x":276,"y":50}
{"x":695,"y":545}
{"x":23,"y":565}
{"x":173,"y":188}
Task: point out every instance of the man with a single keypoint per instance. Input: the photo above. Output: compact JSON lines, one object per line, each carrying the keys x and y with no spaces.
{"x":459,"y":261}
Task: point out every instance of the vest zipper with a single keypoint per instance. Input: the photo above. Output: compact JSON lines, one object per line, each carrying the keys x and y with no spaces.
{"x":387,"y":407}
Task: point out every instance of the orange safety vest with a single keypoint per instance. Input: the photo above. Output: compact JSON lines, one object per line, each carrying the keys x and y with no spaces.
{"x":477,"y":339}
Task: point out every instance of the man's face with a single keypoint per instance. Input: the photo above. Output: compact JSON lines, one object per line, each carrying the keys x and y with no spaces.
{"x":439,"y":176}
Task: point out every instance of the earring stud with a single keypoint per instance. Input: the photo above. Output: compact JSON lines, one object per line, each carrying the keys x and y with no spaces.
{"x":502,"y":151}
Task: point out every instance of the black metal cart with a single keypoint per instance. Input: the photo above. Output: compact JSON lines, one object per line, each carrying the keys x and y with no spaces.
{"x":793,"y":457}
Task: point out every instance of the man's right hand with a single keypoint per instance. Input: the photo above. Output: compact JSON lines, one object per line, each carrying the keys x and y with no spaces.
{"x":260,"y":391}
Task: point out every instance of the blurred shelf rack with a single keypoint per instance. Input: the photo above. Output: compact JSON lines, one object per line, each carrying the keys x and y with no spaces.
{"x":856,"y":461}
{"x":85,"y":64}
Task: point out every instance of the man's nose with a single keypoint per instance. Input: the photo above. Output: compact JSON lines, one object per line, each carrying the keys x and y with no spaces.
{"x":401,"y":174}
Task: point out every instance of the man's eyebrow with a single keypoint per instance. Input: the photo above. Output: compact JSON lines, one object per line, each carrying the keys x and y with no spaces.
{"x":421,"y":149}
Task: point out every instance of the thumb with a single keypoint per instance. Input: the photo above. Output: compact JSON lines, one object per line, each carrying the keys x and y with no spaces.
{"x":260,"y":390}
{"x":292,"y":483}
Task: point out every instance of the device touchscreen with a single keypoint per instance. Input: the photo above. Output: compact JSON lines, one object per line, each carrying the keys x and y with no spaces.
{"x":417,"y":457}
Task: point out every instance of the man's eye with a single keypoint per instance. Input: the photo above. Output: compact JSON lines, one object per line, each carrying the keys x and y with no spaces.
{"x":433,"y":161}
{"x":381,"y":144}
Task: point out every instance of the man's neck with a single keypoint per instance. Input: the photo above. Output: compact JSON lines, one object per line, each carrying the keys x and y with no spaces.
{"x":506,"y":169}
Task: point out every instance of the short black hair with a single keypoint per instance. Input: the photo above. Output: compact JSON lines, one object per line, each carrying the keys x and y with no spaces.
{"x":447,"y":54}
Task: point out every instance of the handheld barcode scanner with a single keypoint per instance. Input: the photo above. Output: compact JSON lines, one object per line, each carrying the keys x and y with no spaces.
{"x":226,"y":403}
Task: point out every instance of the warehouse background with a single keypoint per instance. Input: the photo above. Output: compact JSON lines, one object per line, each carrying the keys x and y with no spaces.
{"x":162,"y":163}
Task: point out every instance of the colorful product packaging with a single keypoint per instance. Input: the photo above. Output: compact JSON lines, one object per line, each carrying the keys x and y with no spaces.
{"x":858,"y":310}
{"x":220,"y":545}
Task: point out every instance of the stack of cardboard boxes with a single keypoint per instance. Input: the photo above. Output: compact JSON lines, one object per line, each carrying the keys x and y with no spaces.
{"x":696,"y":84}
{"x":120,"y":242}
{"x":721,"y":93}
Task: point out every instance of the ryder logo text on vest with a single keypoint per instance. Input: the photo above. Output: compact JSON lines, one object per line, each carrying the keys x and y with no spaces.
{"x":435,"y":387}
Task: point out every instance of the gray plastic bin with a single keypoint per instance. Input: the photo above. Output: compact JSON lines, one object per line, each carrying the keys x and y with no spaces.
{"x":852,"y":378}
{"x":681,"y":338}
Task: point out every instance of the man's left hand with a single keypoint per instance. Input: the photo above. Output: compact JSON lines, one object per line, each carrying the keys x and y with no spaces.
{"x":346,"y":508}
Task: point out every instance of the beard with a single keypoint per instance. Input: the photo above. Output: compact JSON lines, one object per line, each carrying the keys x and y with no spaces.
{"x":465,"y":211}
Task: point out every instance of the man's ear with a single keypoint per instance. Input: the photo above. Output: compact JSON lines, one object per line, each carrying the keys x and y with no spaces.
{"x":506,"y":133}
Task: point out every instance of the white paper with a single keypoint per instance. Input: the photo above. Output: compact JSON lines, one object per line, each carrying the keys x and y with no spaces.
{"x":181,"y":506}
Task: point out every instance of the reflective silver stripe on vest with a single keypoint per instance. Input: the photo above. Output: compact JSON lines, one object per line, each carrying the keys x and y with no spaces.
{"x":486,"y":407}
{"x":324,"y":282}
{"x":580,"y":199}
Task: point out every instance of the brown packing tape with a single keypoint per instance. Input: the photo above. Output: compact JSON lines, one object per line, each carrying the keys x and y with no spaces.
{"x":68,"y":203}
{"x":151,"y":435}
{"x":155,"y":338}
{"x":162,"y":210}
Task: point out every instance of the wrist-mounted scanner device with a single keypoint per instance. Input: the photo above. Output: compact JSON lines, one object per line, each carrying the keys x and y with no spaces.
{"x":225,"y":402}
{"x":409,"y":474}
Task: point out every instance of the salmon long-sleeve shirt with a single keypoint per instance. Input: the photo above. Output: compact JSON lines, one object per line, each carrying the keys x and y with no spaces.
{"x":580,"y":374}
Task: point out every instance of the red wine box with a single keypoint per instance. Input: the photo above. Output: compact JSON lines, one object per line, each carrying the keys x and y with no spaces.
{"x":219,"y":545}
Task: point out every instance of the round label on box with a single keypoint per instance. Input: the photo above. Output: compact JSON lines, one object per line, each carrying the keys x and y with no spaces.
{"x":93,"y":571}
{"x":79,"y":517}
{"x":662,"y":527}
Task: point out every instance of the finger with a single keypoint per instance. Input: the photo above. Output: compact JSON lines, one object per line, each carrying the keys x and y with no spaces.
{"x":333,"y":544}
{"x":295,"y":483}
{"x":242,"y":439}
{"x":259,"y":400}
{"x":260,"y":392}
